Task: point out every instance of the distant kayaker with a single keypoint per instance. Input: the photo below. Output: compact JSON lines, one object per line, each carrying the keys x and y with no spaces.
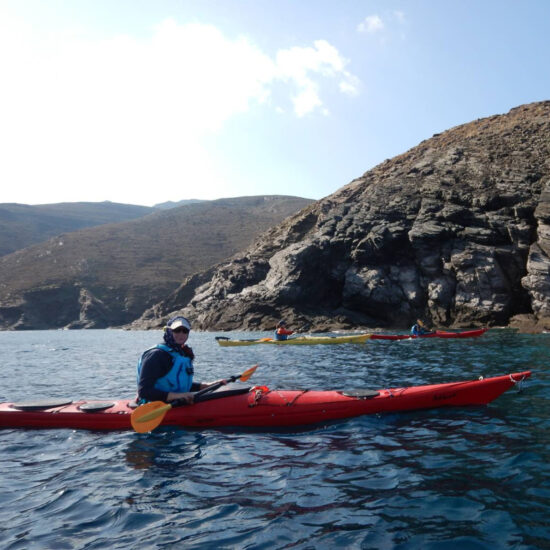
{"x":165,"y":372}
{"x":420,"y":329}
{"x":281,"y":332}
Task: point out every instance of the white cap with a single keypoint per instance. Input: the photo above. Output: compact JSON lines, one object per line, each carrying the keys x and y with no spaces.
{"x":177,"y":322}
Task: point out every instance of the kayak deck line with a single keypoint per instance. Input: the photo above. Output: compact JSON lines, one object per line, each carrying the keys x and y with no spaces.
{"x":450,"y":386}
{"x":394,"y":392}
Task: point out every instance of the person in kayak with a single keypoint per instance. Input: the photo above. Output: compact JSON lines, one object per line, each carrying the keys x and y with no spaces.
{"x":420,"y":329}
{"x":165,"y":372}
{"x":281,"y":332}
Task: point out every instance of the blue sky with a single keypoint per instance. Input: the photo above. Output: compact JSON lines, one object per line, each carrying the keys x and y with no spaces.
{"x":143,"y":102}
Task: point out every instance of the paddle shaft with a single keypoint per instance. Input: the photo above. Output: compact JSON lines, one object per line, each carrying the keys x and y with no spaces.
{"x":213,"y":387}
{"x":216,"y":385}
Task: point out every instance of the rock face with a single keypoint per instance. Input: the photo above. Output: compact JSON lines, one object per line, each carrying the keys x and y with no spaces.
{"x":455,"y":231}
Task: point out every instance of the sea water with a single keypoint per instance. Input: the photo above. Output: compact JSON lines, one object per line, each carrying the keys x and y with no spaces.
{"x":464,"y":478}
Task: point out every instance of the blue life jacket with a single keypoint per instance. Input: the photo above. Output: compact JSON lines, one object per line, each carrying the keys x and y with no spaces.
{"x":179,"y":378}
{"x":280,"y":336}
{"x":417,"y":330}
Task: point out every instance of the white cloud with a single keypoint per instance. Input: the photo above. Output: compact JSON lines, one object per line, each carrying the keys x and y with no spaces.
{"x":302,"y":65}
{"x":116,"y":115}
{"x":371,"y":23}
{"x":307,"y":100}
{"x":349,"y":86}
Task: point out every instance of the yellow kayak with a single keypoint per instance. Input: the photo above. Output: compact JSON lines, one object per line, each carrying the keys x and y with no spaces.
{"x":298,"y":341}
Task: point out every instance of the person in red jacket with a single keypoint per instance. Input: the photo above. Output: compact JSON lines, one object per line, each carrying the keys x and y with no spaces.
{"x":281,"y":332}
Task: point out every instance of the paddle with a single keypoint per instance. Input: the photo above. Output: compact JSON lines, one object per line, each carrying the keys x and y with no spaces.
{"x":427,"y":330}
{"x":300,"y":331}
{"x":147,"y":417}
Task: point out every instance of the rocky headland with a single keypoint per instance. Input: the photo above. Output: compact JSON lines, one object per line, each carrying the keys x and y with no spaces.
{"x":455,"y":231}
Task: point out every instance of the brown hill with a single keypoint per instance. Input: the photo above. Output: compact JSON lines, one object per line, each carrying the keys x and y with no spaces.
{"x":108,"y":275}
{"x":455,"y":231}
{"x":23,"y":225}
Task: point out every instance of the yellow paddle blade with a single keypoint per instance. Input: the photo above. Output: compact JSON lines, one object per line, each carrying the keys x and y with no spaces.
{"x":248,"y":373}
{"x":147,"y":417}
{"x":155,"y":412}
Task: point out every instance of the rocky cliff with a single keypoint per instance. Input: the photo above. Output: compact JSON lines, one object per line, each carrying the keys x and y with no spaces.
{"x":455,"y":231}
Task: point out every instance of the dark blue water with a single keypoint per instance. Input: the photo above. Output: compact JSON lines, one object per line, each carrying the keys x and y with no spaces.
{"x":465,"y":478}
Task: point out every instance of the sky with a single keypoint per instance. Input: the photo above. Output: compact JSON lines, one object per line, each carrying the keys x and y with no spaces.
{"x":148,"y":101}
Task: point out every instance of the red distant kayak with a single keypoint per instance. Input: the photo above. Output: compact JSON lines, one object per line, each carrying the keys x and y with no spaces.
{"x":260,"y":407}
{"x":436,"y":334}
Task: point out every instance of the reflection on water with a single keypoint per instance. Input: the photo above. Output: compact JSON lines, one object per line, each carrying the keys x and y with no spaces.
{"x":161,"y":451}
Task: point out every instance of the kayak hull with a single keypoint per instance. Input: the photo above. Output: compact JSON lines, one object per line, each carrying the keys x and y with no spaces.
{"x":260,"y":407}
{"x":299,"y":341}
{"x":437,"y":334}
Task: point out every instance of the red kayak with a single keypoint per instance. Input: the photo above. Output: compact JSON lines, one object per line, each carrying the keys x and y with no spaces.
{"x":436,"y":334}
{"x":260,"y":407}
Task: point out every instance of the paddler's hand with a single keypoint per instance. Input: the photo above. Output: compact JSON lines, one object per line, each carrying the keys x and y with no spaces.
{"x":186,"y":398}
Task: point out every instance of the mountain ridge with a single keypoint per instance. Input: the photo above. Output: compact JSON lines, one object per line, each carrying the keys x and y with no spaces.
{"x":108,"y":275}
{"x":22,"y":225}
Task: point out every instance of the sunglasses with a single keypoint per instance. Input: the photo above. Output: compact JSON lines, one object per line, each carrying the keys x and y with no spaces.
{"x":179,"y":330}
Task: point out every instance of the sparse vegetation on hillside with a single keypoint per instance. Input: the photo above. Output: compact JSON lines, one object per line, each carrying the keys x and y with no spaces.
{"x":23,"y":225}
